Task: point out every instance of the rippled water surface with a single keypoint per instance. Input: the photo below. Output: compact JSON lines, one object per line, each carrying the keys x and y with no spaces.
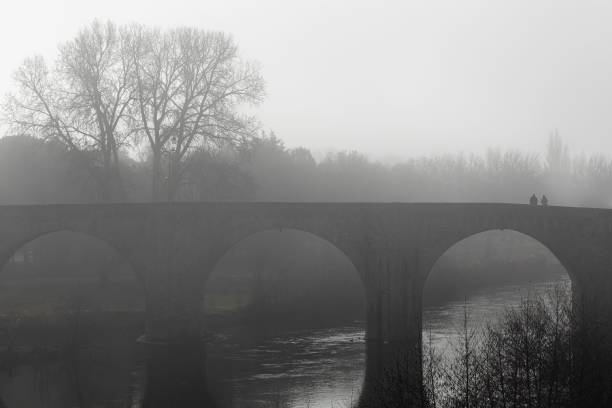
{"x":325,"y":368}
{"x":316,"y":368}
{"x":311,"y":368}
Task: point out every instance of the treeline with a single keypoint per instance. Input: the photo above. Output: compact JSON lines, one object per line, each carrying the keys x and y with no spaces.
{"x":33,"y":170}
{"x":496,"y":176}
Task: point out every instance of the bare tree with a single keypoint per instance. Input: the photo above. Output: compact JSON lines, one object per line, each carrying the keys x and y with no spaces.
{"x":523,"y":360}
{"x":81,"y":100}
{"x":189,"y":85}
{"x":99,"y":67}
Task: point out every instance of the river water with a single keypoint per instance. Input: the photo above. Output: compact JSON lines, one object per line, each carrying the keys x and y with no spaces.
{"x":307,"y":368}
{"x":324,"y":368}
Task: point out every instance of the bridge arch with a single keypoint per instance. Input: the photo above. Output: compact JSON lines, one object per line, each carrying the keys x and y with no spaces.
{"x":554,"y":243}
{"x":337,"y":240}
{"x":313,"y":250}
{"x":14,"y":240}
{"x":126,"y":289}
{"x":18,"y":243}
{"x":544,"y":254}
{"x":331,"y":223}
{"x":468,"y":306}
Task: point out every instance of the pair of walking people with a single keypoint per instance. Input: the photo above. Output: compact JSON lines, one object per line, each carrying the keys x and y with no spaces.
{"x":534,"y":200}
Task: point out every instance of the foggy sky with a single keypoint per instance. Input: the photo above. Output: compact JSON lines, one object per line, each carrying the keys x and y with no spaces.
{"x":389,"y":78}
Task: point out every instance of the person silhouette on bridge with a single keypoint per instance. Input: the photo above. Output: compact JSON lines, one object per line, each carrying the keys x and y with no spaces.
{"x":533,"y":200}
{"x":544,"y":201}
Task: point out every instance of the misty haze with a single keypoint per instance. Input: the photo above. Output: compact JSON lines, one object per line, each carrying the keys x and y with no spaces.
{"x":348,"y":204}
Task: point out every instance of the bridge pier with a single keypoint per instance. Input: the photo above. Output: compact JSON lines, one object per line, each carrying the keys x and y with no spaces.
{"x":175,"y":349}
{"x":176,"y":357}
{"x":393,"y":375}
{"x":393,"y":336}
{"x":592,"y":309}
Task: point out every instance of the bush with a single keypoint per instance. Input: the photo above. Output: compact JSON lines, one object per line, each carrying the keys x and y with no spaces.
{"x":523,"y":360}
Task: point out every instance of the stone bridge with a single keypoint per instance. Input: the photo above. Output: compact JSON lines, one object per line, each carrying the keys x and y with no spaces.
{"x":173,"y":247}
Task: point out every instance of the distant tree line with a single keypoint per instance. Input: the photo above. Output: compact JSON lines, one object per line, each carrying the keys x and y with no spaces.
{"x":34,"y":170}
{"x":283,"y":174}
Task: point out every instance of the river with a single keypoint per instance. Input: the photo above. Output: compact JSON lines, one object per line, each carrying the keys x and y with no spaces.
{"x":307,"y":368}
{"x":324,"y":368}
